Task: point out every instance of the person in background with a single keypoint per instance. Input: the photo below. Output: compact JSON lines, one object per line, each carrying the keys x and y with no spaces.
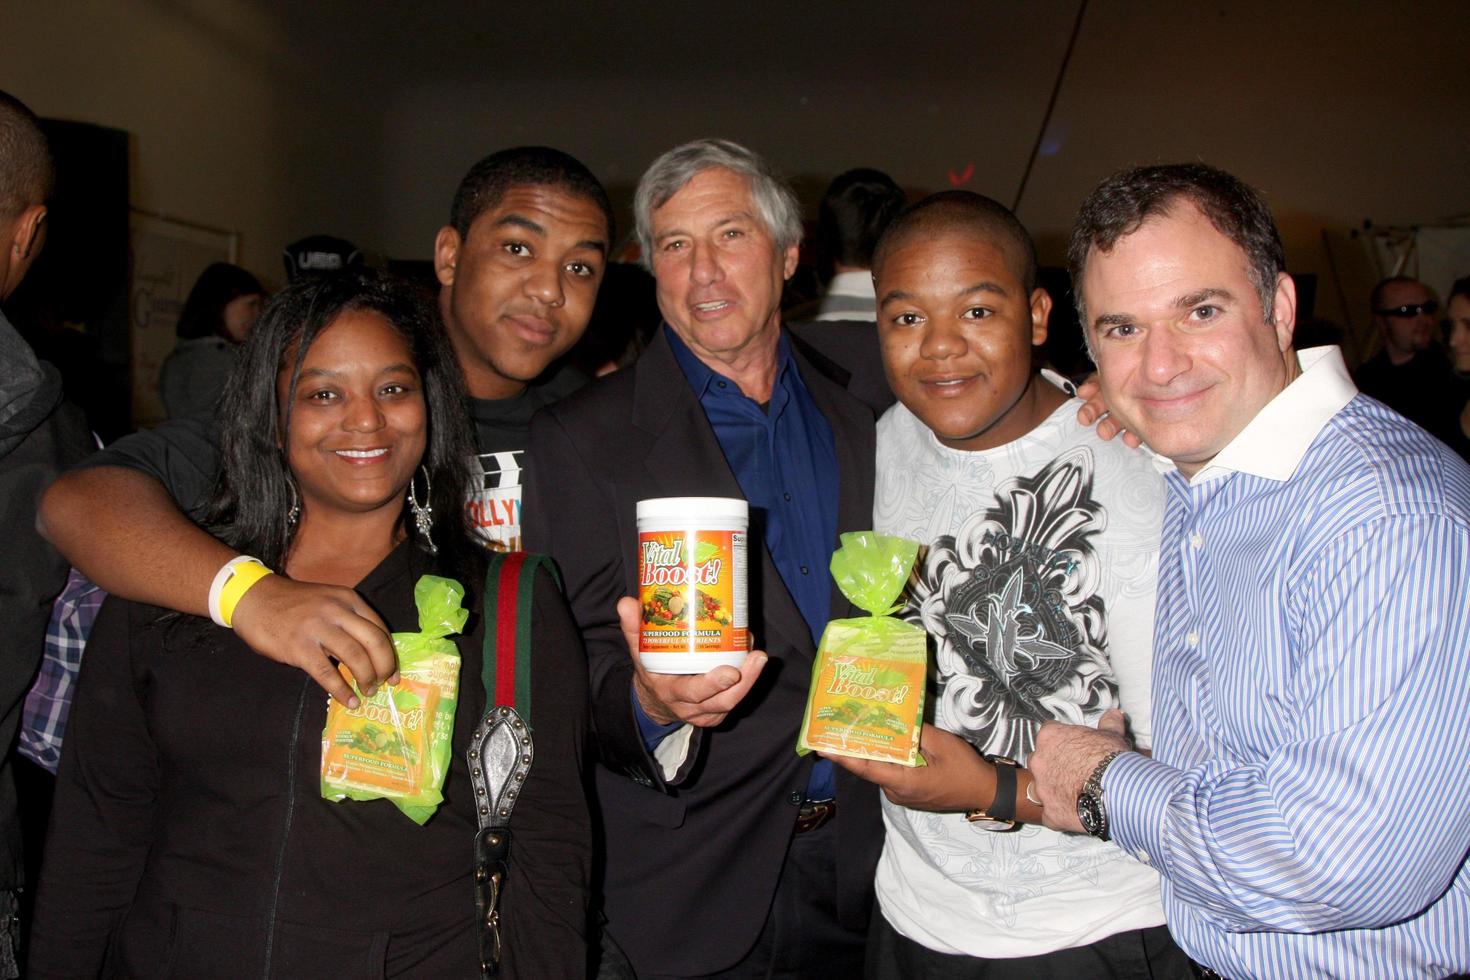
{"x":853,"y":212}
{"x":189,"y":828}
{"x":1303,"y":804}
{"x":215,"y":320}
{"x":40,"y":434}
{"x":1458,"y":343}
{"x":1410,"y":374}
{"x":623,"y":321}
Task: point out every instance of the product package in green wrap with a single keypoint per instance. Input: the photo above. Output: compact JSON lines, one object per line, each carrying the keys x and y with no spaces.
{"x":395,"y":745}
{"x":867,"y":693}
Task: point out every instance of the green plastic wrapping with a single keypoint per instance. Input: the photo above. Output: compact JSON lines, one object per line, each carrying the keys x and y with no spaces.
{"x":396,"y":744}
{"x":867,"y":692}
{"x":871,"y":569}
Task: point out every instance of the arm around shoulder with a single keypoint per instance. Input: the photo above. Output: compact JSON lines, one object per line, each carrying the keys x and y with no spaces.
{"x":123,"y":530}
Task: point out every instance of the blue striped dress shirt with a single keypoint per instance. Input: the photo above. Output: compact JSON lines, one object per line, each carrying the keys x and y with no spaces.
{"x":1308,"y":801}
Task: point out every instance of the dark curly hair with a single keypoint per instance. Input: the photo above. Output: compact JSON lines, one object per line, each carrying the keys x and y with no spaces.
{"x":1119,"y":205}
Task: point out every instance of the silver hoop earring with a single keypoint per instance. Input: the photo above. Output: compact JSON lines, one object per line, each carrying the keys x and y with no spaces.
{"x":423,"y":513}
{"x":293,"y":515}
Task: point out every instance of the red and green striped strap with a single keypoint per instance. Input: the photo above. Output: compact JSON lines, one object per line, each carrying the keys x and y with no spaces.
{"x":510,"y":581}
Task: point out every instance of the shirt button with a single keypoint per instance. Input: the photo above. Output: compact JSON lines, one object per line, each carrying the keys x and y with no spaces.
{"x":722,"y":384}
{"x":1142,"y":855}
{"x":1196,"y":541}
{"x":803,"y":570}
{"x":795,"y":799}
{"x":786,"y":495}
{"x":1192,"y":639}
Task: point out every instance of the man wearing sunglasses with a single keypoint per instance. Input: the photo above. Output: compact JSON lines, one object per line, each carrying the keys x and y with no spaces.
{"x":1410,"y":374}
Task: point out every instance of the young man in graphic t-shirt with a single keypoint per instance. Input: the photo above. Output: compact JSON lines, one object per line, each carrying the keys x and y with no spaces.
{"x":1036,"y":584}
{"x":518,"y":265}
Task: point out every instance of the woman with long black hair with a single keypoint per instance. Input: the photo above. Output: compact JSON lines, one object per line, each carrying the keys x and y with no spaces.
{"x":189,"y":836}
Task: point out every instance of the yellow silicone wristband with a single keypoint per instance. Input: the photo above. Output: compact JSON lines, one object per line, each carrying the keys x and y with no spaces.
{"x":244,"y":579}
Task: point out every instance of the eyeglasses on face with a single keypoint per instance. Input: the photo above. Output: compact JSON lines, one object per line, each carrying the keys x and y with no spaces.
{"x":1408,"y":310}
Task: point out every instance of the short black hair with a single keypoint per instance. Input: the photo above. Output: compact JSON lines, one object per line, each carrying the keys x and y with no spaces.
{"x":27,"y":174}
{"x":1119,"y":205}
{"x":220,"y":283}
{"x":965,"y":211}
{"x":488,"y":180}
{"x":1375,"y":298}
{"x":853,"y":212}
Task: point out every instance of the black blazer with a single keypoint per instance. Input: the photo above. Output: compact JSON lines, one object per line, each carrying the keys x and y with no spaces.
{"x":691,"y":864}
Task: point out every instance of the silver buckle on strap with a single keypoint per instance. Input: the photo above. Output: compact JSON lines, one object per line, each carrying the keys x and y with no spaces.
{"x":500,"y":757}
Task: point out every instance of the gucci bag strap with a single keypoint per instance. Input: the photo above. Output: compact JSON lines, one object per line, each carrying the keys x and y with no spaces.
{"x":501,"y":750}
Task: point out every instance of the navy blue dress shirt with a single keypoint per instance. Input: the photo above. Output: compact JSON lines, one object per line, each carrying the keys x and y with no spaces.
{"x":784,"y":458}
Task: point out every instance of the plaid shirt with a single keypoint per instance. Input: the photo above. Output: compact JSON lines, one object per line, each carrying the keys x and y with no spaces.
{"x":43,"y":719}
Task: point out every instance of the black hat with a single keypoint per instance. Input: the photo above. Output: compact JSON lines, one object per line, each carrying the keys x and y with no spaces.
{"x":320,"y":253}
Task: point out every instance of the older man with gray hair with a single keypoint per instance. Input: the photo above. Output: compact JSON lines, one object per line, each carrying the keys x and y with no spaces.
{"x":725,"y":853}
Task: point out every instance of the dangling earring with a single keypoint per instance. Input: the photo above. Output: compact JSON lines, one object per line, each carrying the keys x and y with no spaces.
{"x":293,"y":516}
{"x":423,"y":513}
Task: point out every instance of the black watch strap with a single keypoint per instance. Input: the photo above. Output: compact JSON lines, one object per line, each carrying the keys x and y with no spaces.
{"x":1002,"y":809}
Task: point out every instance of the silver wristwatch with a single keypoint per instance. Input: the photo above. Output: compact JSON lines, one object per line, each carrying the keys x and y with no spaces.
{"x":1090,"y":809}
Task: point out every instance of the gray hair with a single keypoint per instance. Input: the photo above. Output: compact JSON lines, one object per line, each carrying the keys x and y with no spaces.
{"x":775,"y":204}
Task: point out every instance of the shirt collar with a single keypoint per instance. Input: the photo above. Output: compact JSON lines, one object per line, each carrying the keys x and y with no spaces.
{"x":1273,"y":443}
{"x":701,"y":376}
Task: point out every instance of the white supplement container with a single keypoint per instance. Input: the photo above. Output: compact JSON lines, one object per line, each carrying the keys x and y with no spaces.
{"x":692,"y":583}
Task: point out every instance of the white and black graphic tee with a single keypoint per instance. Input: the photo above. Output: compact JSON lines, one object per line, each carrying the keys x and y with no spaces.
{"x":1037,"y":587}
{"x":495,"y":499}
{"x":502,"y":428}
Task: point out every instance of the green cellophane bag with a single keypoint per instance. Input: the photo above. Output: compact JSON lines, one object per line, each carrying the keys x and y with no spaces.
{"x":396,"y":744}
{"x":867,"y":693}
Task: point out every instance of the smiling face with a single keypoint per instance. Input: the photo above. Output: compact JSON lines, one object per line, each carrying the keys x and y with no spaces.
{"x":1459,"y":336}
{"x":957,"y":327}
{"x":718,"y":270}
{"x":358,"y":421}
{"x":518,"y":290}
{"x":1185,"y":355}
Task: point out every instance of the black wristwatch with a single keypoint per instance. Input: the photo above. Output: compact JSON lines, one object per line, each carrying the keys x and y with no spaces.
{"x":1000,"y":816}
{"x":1090,"y":808}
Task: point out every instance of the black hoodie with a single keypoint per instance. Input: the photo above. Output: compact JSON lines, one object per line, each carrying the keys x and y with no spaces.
{"x":40,"y":435}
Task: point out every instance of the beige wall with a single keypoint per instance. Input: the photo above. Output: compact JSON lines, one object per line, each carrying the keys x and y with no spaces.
{"x":358,"y":119}
{"x":204,"y":89}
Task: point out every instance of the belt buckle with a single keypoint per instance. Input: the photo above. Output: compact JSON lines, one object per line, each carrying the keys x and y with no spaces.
{"x":814,"y":813}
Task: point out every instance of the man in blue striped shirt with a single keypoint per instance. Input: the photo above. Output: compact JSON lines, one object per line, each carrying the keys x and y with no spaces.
{"x":1305,"y":804}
